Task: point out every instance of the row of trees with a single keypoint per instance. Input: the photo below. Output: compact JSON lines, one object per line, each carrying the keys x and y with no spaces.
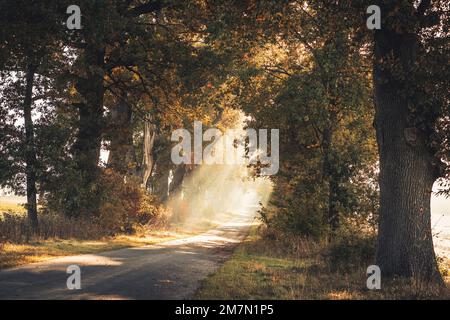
{"x":122,"y":82}
{"x":138,"y":69}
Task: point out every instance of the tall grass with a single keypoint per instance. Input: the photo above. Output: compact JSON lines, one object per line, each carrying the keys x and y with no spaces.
{"x":16,"y":229}
{"x":273,"y":265}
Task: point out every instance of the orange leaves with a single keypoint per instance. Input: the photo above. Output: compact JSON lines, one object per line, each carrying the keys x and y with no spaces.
{"x":260,"y":19}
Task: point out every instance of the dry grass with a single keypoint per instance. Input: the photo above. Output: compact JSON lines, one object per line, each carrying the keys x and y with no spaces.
{"x":15,"y":228}
{"x":128,"y":211}
{"x":58,"y":235}
{"x":270,"y":268}
{"x":13,"y":254}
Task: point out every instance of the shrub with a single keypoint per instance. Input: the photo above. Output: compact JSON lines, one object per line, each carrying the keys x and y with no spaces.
{"x":126,"y":206}
{"x":299,"y":217}
{"x":350,"y":250}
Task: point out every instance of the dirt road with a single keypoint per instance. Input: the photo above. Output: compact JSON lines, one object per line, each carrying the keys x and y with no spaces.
{"x":169,"y":270}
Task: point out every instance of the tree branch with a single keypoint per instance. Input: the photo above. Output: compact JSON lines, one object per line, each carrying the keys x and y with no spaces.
{"x":148,"y":7}
{"x":423,"y":6}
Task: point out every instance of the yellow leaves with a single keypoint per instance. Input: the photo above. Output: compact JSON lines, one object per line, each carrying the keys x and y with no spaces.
{"x":131,"y":165}
{"x":73,"y":91}
{"x":117,"y":71}
{"x":132,"y":73}
{"x":136,"y":77}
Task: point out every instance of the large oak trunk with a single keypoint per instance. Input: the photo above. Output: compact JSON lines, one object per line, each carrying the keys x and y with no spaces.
{"x":405,"y":244}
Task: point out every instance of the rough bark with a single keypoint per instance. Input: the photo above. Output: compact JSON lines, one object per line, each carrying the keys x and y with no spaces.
{"x":178,"y":177}
{"x":405,"y":244}
{"x":88,"y":143}
{"x":121,"y":154}
{"x":30,"y":151}
{"x":83,"y":192}
{"x":161,"y":184}
{"x":148,"y":159}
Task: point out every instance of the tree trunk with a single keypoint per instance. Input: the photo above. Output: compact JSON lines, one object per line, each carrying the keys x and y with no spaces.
{"x":405,"y":244}
{"x":148,"y":160}
{"x":178,"y":177}
{"x":330,"y":176}
{"x":30,"y":151}
{"x":121,"y":152}
{"x":88,"y":143}
{"x":86,"y":149}
{"x":161,"y":185}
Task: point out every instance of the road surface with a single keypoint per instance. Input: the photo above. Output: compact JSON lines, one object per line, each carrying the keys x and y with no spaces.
{"x":169,"y":270}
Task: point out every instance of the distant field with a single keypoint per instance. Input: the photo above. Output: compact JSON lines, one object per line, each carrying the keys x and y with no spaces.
{"x":440,"y":224}
{"x":12,"y":203}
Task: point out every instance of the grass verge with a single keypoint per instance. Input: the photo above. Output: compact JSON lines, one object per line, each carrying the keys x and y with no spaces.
{"x":270,"y":268}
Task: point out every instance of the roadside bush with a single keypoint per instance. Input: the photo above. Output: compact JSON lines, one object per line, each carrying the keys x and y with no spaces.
{"x":126,"y":206}
{"x":351,"y":250}
{"x":300,"y":217}
{"x":278,"y":243}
